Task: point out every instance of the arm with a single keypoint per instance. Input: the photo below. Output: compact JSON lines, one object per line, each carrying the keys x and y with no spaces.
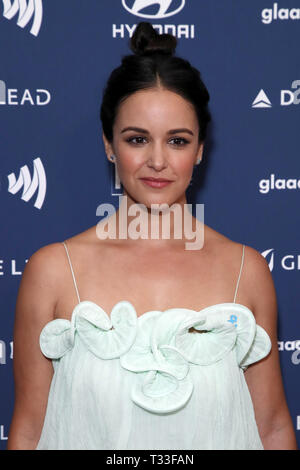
{"x":264,"y":378}
{"x":32,"y":371}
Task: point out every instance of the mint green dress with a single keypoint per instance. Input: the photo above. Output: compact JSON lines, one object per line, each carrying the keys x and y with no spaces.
{"x":167,"y":380}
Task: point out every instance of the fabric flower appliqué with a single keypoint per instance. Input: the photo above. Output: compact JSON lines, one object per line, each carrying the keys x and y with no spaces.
{"x":165,"y":347}
{"x":106,"y":337}
{"x":159,"y":347}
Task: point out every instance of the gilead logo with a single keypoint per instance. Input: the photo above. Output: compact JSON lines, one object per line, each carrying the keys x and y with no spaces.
{"x":3,"y":436}
{"x":26,"y":9}
{"x":15,"y":97}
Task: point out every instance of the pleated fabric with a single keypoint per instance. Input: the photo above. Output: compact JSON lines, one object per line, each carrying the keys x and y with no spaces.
{"x":170,"y":380}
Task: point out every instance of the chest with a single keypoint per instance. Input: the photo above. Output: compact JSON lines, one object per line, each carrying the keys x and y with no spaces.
{"x":150,"y":282}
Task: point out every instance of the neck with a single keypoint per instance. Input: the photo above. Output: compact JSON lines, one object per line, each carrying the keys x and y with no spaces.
{"x":158,"y":225}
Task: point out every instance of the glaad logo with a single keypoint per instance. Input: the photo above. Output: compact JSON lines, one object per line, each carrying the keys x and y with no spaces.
{"x":12,"y":96}
{"x":287,"y":262}
{"x":287,"y":97}
{"x":270,"y":14}
{"x":293,"y":346}
{"x":295,"y":358}
{"x":27,"y":10}
{"x":265,"y":185}
{"x":289,"y":345}
{"x":30,"y":186}
{"x":137,"y":7}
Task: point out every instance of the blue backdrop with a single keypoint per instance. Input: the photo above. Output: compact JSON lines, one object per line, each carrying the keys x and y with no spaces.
{"x":56,"y":56}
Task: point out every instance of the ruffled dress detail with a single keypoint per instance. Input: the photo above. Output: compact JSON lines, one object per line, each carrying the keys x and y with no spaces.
{"x":164,"y":380}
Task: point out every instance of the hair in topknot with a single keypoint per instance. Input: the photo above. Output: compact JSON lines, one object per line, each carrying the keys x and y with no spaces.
{"x":153,"y":64}
{"x":146,"y":40}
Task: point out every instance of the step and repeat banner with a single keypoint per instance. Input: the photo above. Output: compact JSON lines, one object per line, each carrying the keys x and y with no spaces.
{"x":56,"y":56}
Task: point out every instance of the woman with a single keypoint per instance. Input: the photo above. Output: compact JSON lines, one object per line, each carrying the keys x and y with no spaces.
{"x":125,"y":343}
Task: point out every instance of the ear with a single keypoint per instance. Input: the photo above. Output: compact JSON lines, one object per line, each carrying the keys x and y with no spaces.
{"x":108,"y":147}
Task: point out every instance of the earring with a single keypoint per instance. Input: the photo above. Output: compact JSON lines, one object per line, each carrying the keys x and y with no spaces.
{"x":112,"y":158}
{"x":198,"y":161}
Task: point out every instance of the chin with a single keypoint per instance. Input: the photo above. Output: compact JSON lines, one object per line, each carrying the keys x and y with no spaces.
{"x":158,"y":200}
{"x":149,"y":197}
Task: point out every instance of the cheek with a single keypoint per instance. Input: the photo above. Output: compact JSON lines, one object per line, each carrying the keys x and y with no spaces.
{"x":128,"y":161}
{"x":183,"y":166}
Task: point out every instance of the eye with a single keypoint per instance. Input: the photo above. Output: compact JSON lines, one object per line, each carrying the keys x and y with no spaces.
{"x":140,"y":140}
{"x":179,"y":141}
{"x":136,"y":140}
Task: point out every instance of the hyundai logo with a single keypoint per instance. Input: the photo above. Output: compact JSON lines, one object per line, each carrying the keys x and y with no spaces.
{"x":163,"y":11}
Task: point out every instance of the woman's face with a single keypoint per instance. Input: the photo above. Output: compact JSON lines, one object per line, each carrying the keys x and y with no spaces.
{"x":155,"y":135}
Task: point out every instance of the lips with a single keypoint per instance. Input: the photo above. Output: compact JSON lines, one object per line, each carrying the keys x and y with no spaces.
{"x":158,"y":180}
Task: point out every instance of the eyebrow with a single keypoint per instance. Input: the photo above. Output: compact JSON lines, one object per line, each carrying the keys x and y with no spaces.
{"x":144,"y":131}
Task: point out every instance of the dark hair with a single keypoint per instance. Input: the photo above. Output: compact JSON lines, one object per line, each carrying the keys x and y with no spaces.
{"x":153,"y":63}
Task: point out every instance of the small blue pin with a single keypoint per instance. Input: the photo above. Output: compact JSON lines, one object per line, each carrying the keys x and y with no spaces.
{"x":233,"y":320}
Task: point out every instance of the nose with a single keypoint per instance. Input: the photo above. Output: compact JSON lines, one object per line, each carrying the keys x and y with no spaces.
{"x":157,"y":157}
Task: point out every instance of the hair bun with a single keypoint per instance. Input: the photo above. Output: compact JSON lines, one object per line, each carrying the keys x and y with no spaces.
{"x":146,"y":40}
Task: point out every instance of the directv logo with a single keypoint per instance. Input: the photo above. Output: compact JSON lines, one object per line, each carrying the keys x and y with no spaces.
{"x":29,"y":185}
{"x":26,"y":9}
{"x":261,"y":101}
{"x":287,"y":97}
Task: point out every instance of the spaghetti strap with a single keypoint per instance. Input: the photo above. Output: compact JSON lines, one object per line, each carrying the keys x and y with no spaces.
{"x":73,"y":275}
{"x":237,"y":284}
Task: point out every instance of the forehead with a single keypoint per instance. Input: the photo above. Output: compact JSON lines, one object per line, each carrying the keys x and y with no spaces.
{"x":156,"y":107}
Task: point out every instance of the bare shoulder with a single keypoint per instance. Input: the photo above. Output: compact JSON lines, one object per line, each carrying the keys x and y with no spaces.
{"x":48,"y":264}
{"x":256,"y":287}
{"x":83,"y":240}
{"x":44,"y":264}
{"x":46,"y":257}
{"x":221,"y":247}
{"x":41,"y":280}
{"x":259,"y":280}
{"x":256,"y":262}
{"x":257,"y":284}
